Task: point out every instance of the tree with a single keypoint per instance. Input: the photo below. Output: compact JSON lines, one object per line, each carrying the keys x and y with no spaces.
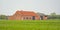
{"x":3,"y":17}
{"x":53,"y":14}
{"x":41,"y":14}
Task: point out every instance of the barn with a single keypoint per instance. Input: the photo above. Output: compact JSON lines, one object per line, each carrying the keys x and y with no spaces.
{"x":24,"y":15}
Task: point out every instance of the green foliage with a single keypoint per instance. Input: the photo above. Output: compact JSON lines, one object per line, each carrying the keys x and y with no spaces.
{"x":29,"y":24}
{"x":53,"y":16}
{"x":3,"y":17}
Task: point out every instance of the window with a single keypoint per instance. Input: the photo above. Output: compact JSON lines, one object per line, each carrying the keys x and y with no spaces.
{"x":26,"y":17}
{"x":29,"y":17}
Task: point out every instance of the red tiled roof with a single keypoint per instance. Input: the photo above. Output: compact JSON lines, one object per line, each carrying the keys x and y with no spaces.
{"x":28,"y":13}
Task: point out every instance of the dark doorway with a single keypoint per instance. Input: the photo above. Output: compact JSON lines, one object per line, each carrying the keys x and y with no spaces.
{"x":33,"y":17}
{"x":41,"y":17}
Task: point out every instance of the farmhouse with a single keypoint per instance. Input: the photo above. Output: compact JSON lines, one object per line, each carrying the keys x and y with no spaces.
{"x":25,"y":15}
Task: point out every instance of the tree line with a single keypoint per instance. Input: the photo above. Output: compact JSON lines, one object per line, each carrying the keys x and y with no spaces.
{"x":3,"y":17}
{"x":53,"y":16}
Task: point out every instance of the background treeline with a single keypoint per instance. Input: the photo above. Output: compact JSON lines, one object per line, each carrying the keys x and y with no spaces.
{"x":51,"y":16}
{"x":54,"y":17}
{"x":3,"y":17}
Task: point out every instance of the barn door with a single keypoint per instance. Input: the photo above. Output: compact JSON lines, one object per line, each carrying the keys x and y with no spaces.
{"x":41,"y":17}
{"x":33,"y":17}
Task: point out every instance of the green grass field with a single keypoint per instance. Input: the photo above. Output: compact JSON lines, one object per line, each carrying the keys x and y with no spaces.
{"x":29,"y":24}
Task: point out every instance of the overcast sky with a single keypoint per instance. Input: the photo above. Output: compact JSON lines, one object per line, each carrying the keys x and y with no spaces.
{"x":9,"y":7}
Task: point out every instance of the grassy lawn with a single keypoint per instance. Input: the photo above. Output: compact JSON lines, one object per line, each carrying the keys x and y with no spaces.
{"x":29,"y":24}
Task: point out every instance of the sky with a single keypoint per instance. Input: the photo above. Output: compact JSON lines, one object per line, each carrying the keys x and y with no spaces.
{"x":9,"y":7}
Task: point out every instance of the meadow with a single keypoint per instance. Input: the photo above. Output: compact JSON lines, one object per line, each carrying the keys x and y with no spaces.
{"x":29,"y":24}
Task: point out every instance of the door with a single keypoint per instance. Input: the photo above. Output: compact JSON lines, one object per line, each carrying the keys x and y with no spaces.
{"x":41,"y":17}
{"x":33,"y":17}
